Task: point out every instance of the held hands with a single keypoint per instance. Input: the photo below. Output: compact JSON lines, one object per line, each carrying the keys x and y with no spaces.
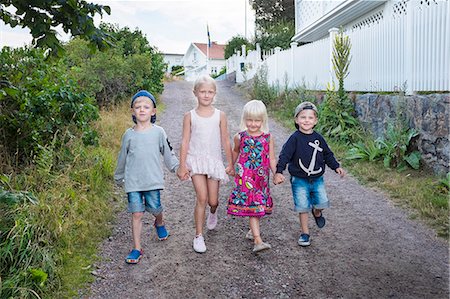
{"x":230,"y":170}
{"x":183,"y":173}
{"x":278,"y":178}
{"x":340,"y":171}
{"x":119,"y":183}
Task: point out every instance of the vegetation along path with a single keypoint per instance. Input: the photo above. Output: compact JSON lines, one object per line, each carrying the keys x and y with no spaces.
{"x":369,"y":248}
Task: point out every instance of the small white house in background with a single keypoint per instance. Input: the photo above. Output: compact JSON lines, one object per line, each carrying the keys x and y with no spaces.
{"x":172,"y":60}
{"x":195,"y":60}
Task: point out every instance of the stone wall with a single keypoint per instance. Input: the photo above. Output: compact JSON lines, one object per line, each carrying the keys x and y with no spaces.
{"x":428,"y":114}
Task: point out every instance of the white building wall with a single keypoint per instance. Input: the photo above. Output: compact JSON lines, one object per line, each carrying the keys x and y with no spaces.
{"x":172,"y":60}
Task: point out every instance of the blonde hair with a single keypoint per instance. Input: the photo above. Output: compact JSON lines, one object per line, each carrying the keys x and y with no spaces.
{"x":255,"y":109}
{"x":204,"y":79}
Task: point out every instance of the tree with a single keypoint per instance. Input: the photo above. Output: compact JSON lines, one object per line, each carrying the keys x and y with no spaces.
{"x":275,"y":23}
{"x":269,"y":12}
{"x":42,"y":17}
{"x":235,"y":44}
{"x":278,"y":34}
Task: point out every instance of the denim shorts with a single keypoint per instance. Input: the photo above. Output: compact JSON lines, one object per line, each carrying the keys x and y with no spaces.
{"x":141,"y":201}
{"x":308,"y":193}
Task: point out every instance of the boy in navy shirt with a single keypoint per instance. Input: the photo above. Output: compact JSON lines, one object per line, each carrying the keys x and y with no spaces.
{"x":307,"y":153}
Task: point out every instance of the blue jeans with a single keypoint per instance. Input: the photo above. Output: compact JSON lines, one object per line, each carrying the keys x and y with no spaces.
{"x":309,"y":193}
{"x":140,"y":201}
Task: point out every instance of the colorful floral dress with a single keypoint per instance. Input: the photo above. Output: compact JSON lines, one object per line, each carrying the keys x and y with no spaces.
{"x":251,"y":196}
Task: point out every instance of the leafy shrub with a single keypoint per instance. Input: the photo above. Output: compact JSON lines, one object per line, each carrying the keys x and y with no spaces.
{"x":336,"y":118}
{"x":395,"y":146}
{"x":261,"y":89}
{"x":392,"y":149}
{"x":235,"y":44}
{"x":40,"y":104}
{"x":117,"y":73}
{"x":176,"y":69}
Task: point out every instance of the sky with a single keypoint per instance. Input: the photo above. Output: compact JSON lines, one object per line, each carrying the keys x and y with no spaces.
{"x":171,"y":26}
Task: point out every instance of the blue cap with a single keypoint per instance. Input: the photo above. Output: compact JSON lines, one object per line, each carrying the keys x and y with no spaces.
{"x":144,"y":93}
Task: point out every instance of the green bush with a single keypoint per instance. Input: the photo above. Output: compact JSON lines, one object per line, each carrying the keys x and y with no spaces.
{"x":261,"y":89}
{"x":337,"y":120}
{"x":235,"y":44}
{"x":40,"y":104}
{"x":176,"y":69}
{"x":117,"y":73}
{"x":392,"y":149}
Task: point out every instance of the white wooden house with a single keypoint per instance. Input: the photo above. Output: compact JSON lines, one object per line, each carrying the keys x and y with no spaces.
{"x":172,"y":60}
{"x":395,"y":45}
{"x":201,"y":59}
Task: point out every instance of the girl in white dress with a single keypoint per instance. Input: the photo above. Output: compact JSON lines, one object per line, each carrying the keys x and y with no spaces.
{"x":205,"y":133}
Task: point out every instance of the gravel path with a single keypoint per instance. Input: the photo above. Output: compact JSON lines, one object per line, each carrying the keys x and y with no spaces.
{"x":368,"y":249}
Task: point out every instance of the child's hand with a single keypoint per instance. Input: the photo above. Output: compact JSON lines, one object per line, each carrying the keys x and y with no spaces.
{"x":183,"y":173}
{"x":119,"y":183}
{"x":340,"y":171}
{"x":230,"y":170}
{"x":278,"y":178}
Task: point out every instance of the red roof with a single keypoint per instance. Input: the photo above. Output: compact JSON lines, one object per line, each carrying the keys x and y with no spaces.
{"x":215,"y":52}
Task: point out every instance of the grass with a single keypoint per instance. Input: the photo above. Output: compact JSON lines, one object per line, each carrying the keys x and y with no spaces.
{"x":48,"y":241}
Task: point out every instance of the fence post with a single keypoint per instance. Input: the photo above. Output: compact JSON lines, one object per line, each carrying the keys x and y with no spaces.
{"x":277,"y":57}
{"x":409,"y":47}
{"x":333,"y":32}
{"x":244,"y":51}
{"x":293,"y":49}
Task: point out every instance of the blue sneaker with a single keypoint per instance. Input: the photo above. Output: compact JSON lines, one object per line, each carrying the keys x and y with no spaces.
{"x":134,"y":256}
{"x":304,"y":240}
{"x":161,"y":231}
{"x":320,"y":220}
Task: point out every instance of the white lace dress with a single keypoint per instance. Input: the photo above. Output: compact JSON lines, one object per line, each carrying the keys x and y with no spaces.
{"x":205,"y":149}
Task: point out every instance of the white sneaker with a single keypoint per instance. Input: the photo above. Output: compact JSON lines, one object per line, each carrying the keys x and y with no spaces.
{"x":211,"y":221}
{"x":199,"y":244}
{"x":261,"y":246}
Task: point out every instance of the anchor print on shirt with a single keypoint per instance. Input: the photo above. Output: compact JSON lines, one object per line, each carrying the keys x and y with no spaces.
{"x":310,"y":170}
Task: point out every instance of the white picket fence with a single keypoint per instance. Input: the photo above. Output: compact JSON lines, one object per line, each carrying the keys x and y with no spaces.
{"x":409,"y":51}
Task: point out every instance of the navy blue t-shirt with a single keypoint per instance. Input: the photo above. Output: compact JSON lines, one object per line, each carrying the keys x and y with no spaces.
{"x":307,"y":155}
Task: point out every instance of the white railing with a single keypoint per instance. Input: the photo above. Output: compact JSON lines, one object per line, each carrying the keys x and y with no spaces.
{"x":409,"y":52}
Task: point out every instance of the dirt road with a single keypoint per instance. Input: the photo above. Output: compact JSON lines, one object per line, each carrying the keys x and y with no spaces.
{"x":368,"y":249}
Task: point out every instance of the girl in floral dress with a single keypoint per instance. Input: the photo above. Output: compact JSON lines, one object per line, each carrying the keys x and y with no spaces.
{"x":254,"y":157}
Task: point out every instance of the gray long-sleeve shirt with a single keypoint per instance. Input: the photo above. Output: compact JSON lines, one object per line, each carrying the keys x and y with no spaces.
{"x":139,"y":164}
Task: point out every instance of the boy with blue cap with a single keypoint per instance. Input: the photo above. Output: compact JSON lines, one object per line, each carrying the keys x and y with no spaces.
{"x":139,"y":168}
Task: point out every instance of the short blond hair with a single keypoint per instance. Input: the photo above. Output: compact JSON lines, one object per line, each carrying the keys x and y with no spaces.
{"x":255,"y":109}
{"x":204,"y":79}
